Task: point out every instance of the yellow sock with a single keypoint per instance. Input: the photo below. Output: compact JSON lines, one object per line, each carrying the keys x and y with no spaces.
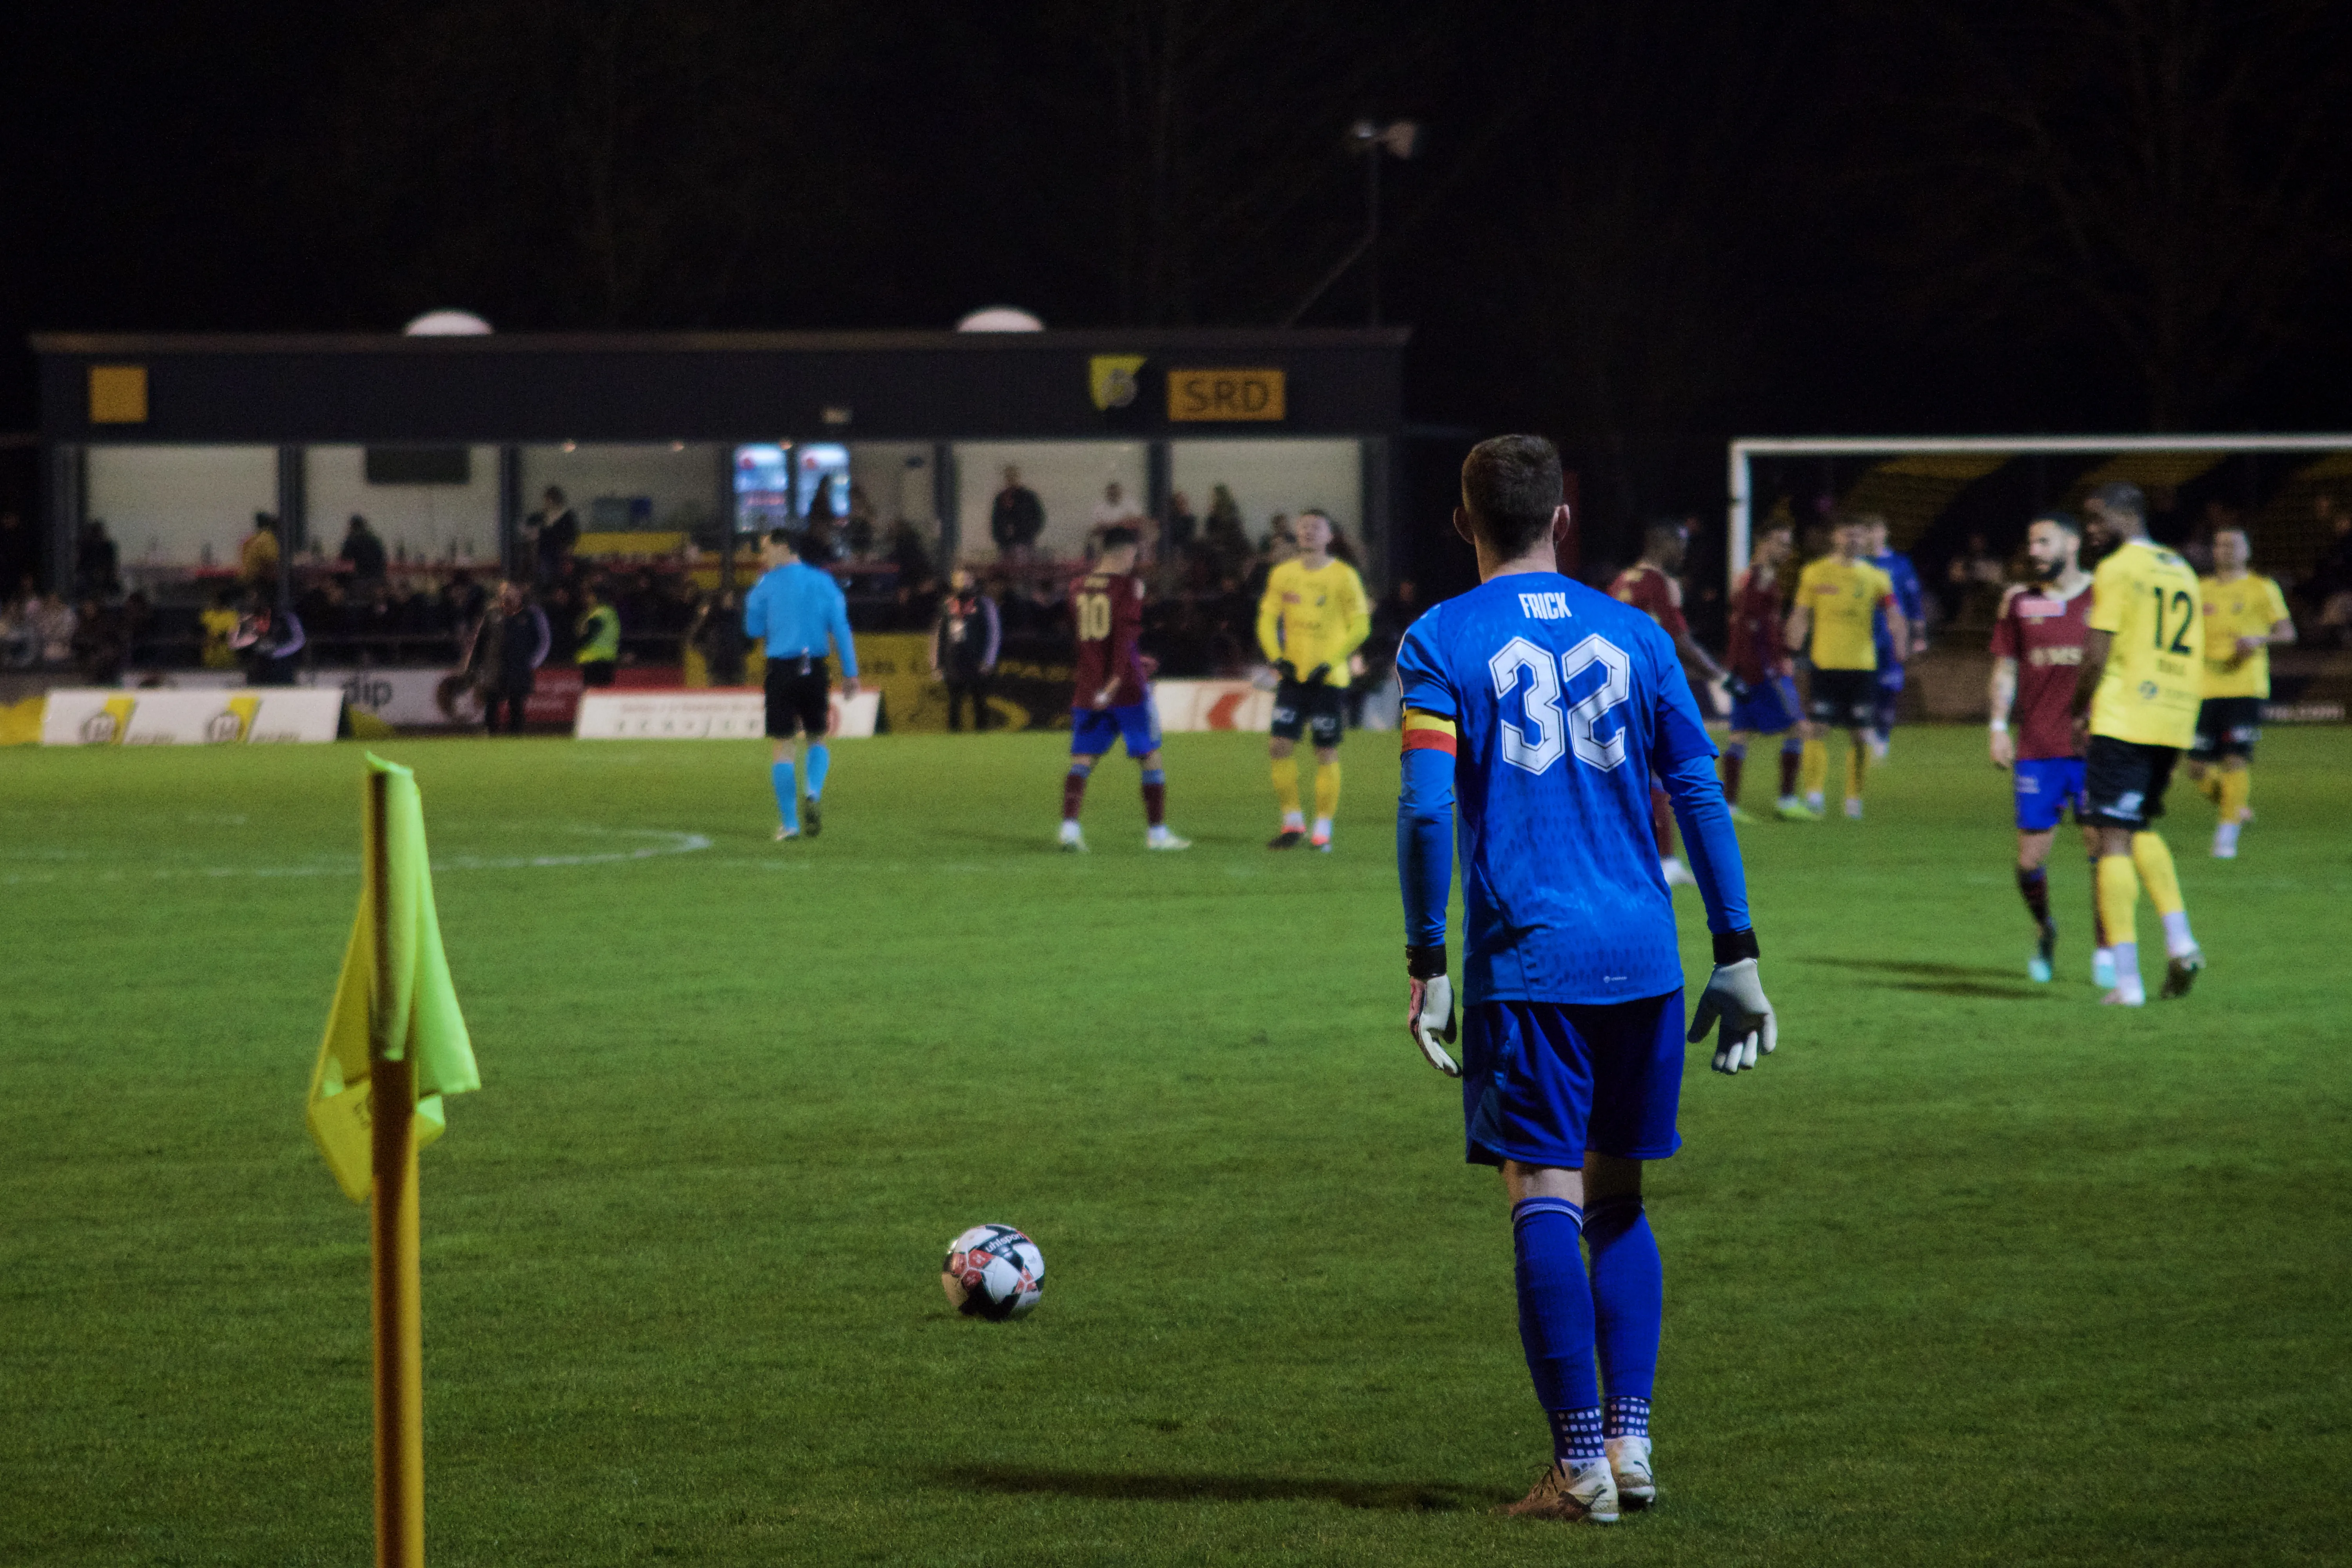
{"x":2237,"y":787}
{"x":1813,"y":768}
{"x":1285,"y":785}
{"x":2213,"y":784}
{"x":1326,"y":788}
{"x":1857,"y":763}
{"x":2154,"y":858}
{"x":2118,"y":891}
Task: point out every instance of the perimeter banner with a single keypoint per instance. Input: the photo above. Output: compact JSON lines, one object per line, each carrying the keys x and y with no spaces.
{"x":103,"y":716}
{"x":725,"y":714}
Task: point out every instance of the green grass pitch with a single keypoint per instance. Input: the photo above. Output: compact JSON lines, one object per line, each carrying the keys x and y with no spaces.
{"x":1972,"y":1272}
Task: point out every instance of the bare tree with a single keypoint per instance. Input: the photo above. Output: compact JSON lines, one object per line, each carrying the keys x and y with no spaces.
{"x":2160,"y":170}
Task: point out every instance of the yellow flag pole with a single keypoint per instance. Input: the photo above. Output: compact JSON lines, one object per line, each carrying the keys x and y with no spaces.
{"x":398,"y":1303}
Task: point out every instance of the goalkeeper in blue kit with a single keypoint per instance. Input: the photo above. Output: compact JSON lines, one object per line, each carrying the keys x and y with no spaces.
{"x":1536,"y":711}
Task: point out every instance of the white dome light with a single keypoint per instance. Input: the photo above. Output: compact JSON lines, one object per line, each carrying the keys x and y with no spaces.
{"x":447,"y":324}
{"x":1001,"y":319}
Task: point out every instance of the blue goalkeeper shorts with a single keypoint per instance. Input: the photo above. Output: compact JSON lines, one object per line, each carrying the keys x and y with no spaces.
{"x":1769,"y":707}
{"x":2047,"y":788}
{"x":1543,"y":1082}
{"x":1092,"y":730}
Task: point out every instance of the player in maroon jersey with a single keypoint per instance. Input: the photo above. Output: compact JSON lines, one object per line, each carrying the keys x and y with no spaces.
{"x":1763,"y":676}
{"x":1652,"y":585}
{"x":2037,"y":648}
{"x":1111,"y":695}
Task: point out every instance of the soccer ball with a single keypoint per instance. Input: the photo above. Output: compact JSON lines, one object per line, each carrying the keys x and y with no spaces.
{"x":992,"y":1271}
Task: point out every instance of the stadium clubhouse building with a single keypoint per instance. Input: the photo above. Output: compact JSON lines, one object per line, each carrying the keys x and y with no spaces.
{"x":684,"y":443}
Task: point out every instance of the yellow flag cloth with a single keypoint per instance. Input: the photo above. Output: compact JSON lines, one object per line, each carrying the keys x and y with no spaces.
{"x":395,"y":997}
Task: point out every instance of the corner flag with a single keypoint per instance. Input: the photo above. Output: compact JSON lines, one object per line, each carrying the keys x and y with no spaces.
{"x":394,"y":1001}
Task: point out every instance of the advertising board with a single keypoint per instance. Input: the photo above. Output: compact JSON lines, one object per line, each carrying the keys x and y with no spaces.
{"x":728,"y":713}
{"x":104,"y":716}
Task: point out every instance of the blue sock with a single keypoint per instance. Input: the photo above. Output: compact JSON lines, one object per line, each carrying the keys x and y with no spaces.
{"x":1556,"y":1324}
{"x":788,"y":806}
{"x":820,"y":763}
{"x":1629,"y":1300}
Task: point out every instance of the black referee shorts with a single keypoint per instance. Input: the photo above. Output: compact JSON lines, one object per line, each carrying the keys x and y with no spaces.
{"x":2124,"y":782}
{"x":797,"y":699}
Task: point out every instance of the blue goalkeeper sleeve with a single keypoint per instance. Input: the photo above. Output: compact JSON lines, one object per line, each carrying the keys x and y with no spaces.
{"x":1425,"y":844}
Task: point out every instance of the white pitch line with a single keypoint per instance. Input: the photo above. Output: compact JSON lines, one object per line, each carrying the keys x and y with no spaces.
{"x":673,"y":843}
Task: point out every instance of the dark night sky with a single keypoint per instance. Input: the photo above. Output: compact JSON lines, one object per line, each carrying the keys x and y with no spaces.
{"x":1643,"y":228}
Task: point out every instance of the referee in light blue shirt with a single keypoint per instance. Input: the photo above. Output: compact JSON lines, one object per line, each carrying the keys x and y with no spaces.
{"x":792,"y":609}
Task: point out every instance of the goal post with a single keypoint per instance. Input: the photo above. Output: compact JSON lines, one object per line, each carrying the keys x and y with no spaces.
{"x":2332,"y":450}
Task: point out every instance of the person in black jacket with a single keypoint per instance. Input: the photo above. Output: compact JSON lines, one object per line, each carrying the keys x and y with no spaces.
{"x":365,"y":552}
{"x":506,"y":656}
{"x":965,"y":640}
{"x":1017,"y":518}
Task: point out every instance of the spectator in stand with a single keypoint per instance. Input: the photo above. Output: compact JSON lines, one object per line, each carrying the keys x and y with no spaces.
{"x":1015,"y":520}
{"x":600,"y":638}
{"x":267,"y":640}
{"x":363,"y":552}
{"x":857,"y":527}
{"x":1224,"y":540}
{"x":20,"y":639}
{"x":101,"y":642}
{"x":506,"y":653}
{"x":1974,"y":582}
{"x":94,"y":569}
{"x":2330,"y":594}
{"x":552,"y":533}
{"x":1115,"y":511}
{"x":257,"y":558}
{"x":218,"y":624}
{"x":717,"y":633}
{"x":964,"y":644}
{"x":1391,"y":618}
{"x":20,"y":551}
{"x":1183,"y":529}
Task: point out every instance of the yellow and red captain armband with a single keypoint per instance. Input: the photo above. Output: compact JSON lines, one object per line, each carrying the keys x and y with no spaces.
{"x":1427,"y":732}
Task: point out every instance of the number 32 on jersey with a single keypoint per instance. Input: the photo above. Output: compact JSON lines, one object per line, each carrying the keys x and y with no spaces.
{"x":1549,"y":727}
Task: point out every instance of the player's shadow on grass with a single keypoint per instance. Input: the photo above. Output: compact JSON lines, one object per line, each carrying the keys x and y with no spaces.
{"x":1394,"y":1497}
{"x":1936,"y":979}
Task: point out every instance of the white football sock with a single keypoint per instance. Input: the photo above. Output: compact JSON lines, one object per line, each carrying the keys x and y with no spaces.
{"x":2127,"y":983}
{"x":2178,"y":942}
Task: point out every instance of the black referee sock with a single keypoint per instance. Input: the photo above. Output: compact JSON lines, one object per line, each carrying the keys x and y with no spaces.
{"x":2033,"y":887}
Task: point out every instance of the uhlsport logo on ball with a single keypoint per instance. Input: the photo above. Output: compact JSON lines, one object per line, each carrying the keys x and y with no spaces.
{"x":992,"y":1271}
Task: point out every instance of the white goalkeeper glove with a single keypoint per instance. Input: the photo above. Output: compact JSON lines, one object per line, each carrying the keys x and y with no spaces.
{"x":1429,"y":1009}
{"x":1735,"y":999}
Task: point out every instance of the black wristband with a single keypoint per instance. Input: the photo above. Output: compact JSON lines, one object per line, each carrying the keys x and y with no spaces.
{"x":1731,"y":946}
{"x":1426,"y":963}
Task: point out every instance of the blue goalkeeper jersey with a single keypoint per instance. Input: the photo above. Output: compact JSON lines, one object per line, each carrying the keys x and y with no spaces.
{"x":1563,"y":702}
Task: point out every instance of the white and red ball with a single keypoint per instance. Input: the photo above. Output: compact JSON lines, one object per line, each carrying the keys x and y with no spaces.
{"x":992,"y":1271}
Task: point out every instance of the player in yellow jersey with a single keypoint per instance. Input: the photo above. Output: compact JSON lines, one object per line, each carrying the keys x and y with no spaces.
{"x":2245,"y":617}
{"x":1833,"y":620}
{"x":2138,"y":689}
{"x":1313,"y":617}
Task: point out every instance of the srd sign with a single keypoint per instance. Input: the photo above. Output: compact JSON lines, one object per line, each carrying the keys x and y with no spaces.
{"x":1203,"y":396}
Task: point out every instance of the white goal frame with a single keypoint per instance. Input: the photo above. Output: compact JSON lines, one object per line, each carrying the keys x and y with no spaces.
{"x":1747,"y":447}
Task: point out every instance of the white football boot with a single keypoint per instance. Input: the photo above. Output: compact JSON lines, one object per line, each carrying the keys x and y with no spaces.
{"x":1073,"y":842}
{"x":1629,"y":1465}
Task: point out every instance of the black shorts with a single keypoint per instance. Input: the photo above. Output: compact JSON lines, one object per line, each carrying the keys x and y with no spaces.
{"x":1300,"y":708}
{"x":797,"y":700}
{"x":2227,"y":727}
{"x":2124,"y":782}
{"x":1846,"y":698}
